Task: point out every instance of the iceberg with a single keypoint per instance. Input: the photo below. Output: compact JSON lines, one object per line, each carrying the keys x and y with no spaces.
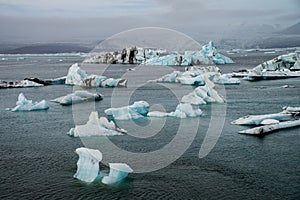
{"x":77,"y":76}
{"x":87,"y":164}
{"x":138,"y":109}
{"x":117,"y":172}
{"x":269,"y":128}
{"x":283,"y":66}
{"x":210,"y":52}
{"x":183,"y":110}
{"x":258,"y":119}
{"x":23,"y":105}
{"x":21,"y":84}
{"x":96,"y":127}
{"x":78,"y":97}
{"x":226,"y":79}
{"x":203,"y":95}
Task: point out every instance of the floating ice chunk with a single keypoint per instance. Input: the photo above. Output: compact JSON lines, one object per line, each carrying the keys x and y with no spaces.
{"x":96,"y":127}
{"x":117,"y":172}
{"x":226,"y":79}
{"x":291,"y":110}
{"x":170,"y":78}
{"x":28,"y":105}
{"x":183,"y":110}
{"x":87,"y":164}
{"x":258,"y":119}
{"x":28,"y":83}
{"x":273,"y":127}
{"x":56,"y":81}
{"x":78,"y":97}
{"x":77,"y":76}
{"x":193,"y":99}
{"x":138,"y":109}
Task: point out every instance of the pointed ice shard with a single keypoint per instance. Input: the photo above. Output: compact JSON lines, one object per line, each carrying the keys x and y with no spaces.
{"x":117,"y":172}
{"x":87,"y":164}
{"x":28,"y":105}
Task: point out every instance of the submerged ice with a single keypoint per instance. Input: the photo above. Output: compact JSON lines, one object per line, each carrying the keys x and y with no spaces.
{"x":28,"y":105}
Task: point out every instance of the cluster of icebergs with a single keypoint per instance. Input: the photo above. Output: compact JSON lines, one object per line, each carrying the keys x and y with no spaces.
{"x":270,"y":122}
{"x":150,"y":56}
{"x":283,"y":66}
{"x":75,"y":76}
{"x":88,"y":167}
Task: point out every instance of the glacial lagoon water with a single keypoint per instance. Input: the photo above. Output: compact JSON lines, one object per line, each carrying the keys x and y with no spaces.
{"x":38,"y":159}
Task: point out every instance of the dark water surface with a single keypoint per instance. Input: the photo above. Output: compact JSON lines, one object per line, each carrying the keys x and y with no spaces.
{"x":38,"y":160}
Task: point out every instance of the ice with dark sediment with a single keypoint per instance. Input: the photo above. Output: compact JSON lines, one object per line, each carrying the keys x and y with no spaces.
{"x":78,"y":96}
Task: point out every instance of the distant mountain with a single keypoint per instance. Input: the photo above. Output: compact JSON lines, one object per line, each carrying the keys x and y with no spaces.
{"x":292,"y":30}
{"x":47,"y":48}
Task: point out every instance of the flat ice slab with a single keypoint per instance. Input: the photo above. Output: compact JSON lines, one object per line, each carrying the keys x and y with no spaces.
{"x":258,"y":119}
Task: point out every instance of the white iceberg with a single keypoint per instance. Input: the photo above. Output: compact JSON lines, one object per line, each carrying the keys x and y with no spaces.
{"x":28,"y":105}
{"x":137,"y":110}
{"x":203,"y":95}
{"x":28,"y":83}
{"x":258,"y":119}
{"x":117,"y":172}
{"x":210,"y":52}
{"x":291,"y":110}
{"x":77,"y":76}
{"x":78,"y":97}
{"x":183,"y":110}
{"x":96,"y":127}
{"x":87,"y":164}
{"x":269,"y":128}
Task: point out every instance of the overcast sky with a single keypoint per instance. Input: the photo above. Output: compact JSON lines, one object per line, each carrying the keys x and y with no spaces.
{"x":58,"y":20}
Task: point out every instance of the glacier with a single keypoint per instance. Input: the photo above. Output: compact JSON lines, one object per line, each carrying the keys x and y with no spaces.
{"x":78,"y":96}
{"x":87,"y":164}
{"x":23,"y":105}
{"x":117,"y":172}
{"x":138,"y":109}
{"x":77,"y":76}
{"x":96,"y":127}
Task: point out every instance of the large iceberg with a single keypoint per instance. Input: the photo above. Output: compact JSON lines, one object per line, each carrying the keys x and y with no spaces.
{"x":153,"y":56}
{"x":28,"y":105}
{"x":96,"y":127}
{"x":137,"y":110}
{"x":87,"y":164}
{"x":78,"y":97}
{"x":77,"y":76}
{"x":183,"y":110}
{"x":117,"y":172}
{"x":283,"y":66}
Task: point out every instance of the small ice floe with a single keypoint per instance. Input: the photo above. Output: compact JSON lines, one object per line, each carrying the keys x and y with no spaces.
{"x":291,"y":110}
{"x":78,"y":97}
{"x":226,"y":79}
{"x":56,"y":81}
{"x":269,"y":128}
{"x":183,"y":110}
{"x":87,"y":164}
{"x":23,"y":105}
{"x":77,"y":76}
{"x":96,"y":127}
{"x":137,"y":110}
{"x":288,"y":86}
{"x":117,"y":172}
{"x":21,"y":84}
